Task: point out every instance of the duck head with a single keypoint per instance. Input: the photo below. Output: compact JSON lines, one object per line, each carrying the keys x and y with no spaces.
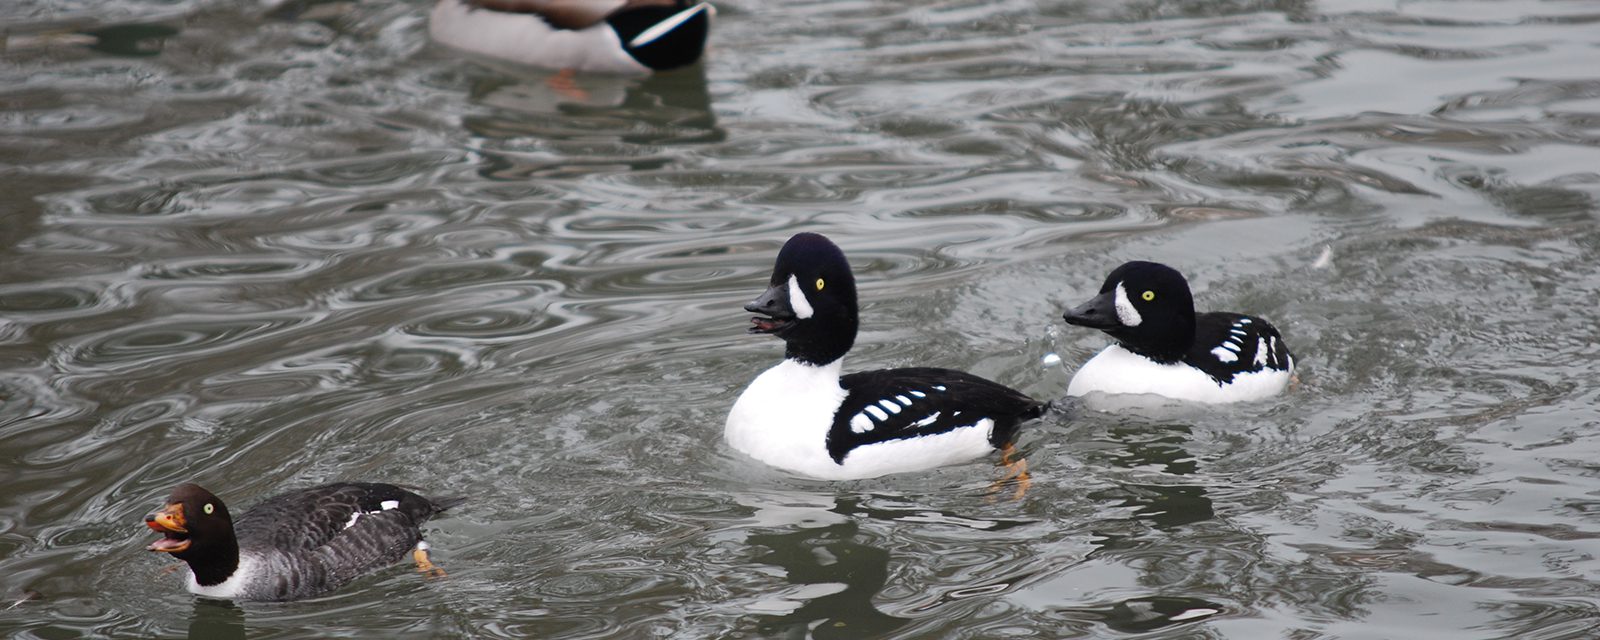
{"x":810,"y":302}
{"x":1146,"y":307}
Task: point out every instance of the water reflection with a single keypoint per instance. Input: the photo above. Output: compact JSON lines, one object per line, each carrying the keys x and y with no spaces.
{"x":216,"y":620}
{"x":845,"y":573}
{"x":1157,"y":447}
{"x":661,"y":109}
{"x":1139,"y":615}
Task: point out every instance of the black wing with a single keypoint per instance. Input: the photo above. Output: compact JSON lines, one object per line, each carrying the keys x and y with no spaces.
{"x":302,"y":521}
{"x":1228,"y":344}
{"x":897,"y":404}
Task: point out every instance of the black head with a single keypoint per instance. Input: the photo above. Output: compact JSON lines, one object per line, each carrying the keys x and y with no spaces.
{"x":811,"y":301}
{"x":1146,"y":306}
{"x":197,"y":529}
{"x":664,"y":37}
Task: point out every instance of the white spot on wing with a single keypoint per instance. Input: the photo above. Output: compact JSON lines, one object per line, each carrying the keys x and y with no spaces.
{"x":1262,"y":351}
{"x":353,"y":517}
{"x":938,"y":387}
{"x":860,"y":423}
{"x":919,"y":394}
{"x":877,"y":413}
{"x":903,"y":400}
{"x":890,"y":405}
{"x":389,"y":504}
{"x":927,"y":421}
{"x":1224,"y":355}
{"x":797,"y":300}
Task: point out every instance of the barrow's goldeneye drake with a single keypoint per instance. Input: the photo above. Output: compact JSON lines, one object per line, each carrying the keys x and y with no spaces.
{"x":293,"y":545}
{"x":1164,"y":348}
{"x":633,"y":37}
{"x":804,"y":417}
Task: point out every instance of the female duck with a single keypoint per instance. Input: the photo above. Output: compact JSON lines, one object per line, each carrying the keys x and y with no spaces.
{"x":294,"y":545}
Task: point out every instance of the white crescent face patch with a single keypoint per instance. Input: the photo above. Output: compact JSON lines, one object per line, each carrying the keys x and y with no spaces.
{"x":797,"y":300}
{"x":1126,"y":314}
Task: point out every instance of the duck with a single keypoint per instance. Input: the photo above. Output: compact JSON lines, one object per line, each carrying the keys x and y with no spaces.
{"x":804,"y":416}
{"x":293,"y":545}
{"x":1163,"y":348}
{"x":629,"y":37}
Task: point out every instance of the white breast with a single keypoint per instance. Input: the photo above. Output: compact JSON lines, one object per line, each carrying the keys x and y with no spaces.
{"x":235,"y":585}
{"x":783,"y":418}
{"x":1119,"y":371}
{"x":529,"y":40}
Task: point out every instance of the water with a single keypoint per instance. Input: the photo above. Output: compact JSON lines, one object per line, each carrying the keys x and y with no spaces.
{"x":265,"y":249}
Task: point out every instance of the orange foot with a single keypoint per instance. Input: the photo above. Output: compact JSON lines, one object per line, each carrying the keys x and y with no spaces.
{"x":565,"y":82}
{"x":425,"y":566}
{"x":1017,"y":469}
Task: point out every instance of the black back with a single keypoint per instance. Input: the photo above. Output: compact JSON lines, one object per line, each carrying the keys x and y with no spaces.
{"x":680,"y":47}
{"x":304,"y":520}
{"x":930,"y":401}
{"x":1241,"y":335}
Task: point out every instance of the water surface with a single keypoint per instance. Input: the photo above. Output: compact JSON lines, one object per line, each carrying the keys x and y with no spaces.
{"x":263,"y":248}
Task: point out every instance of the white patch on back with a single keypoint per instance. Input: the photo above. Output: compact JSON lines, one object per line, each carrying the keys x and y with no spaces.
{"x":1119,"y":371}
{"x":1126,"y":314}
{"x":665,"y":26}
{"x":797,"y":300}
{"x":389,"y":504}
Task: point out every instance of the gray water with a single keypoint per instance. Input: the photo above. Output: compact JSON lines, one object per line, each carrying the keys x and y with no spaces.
{"x":263,"y":249}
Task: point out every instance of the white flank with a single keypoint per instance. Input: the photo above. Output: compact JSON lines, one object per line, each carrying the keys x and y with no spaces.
{"x":1126,"y":314}
{"x":783,"y":418}
{"x":798,"y":301}
{"x":665,"y":26}
{"x":1119,"y":371}
{"x":528,"y":40}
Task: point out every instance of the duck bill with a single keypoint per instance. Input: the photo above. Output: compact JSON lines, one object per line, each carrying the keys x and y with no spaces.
{"x":1098,"y":313}
{"x":774,"y":304}
{"x":170,"y":522}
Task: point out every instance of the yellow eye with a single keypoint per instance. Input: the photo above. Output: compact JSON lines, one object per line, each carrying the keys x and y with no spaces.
{"x":1148,"y":296}
{"x":819,"y":284}
{"x":209,"y":508}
